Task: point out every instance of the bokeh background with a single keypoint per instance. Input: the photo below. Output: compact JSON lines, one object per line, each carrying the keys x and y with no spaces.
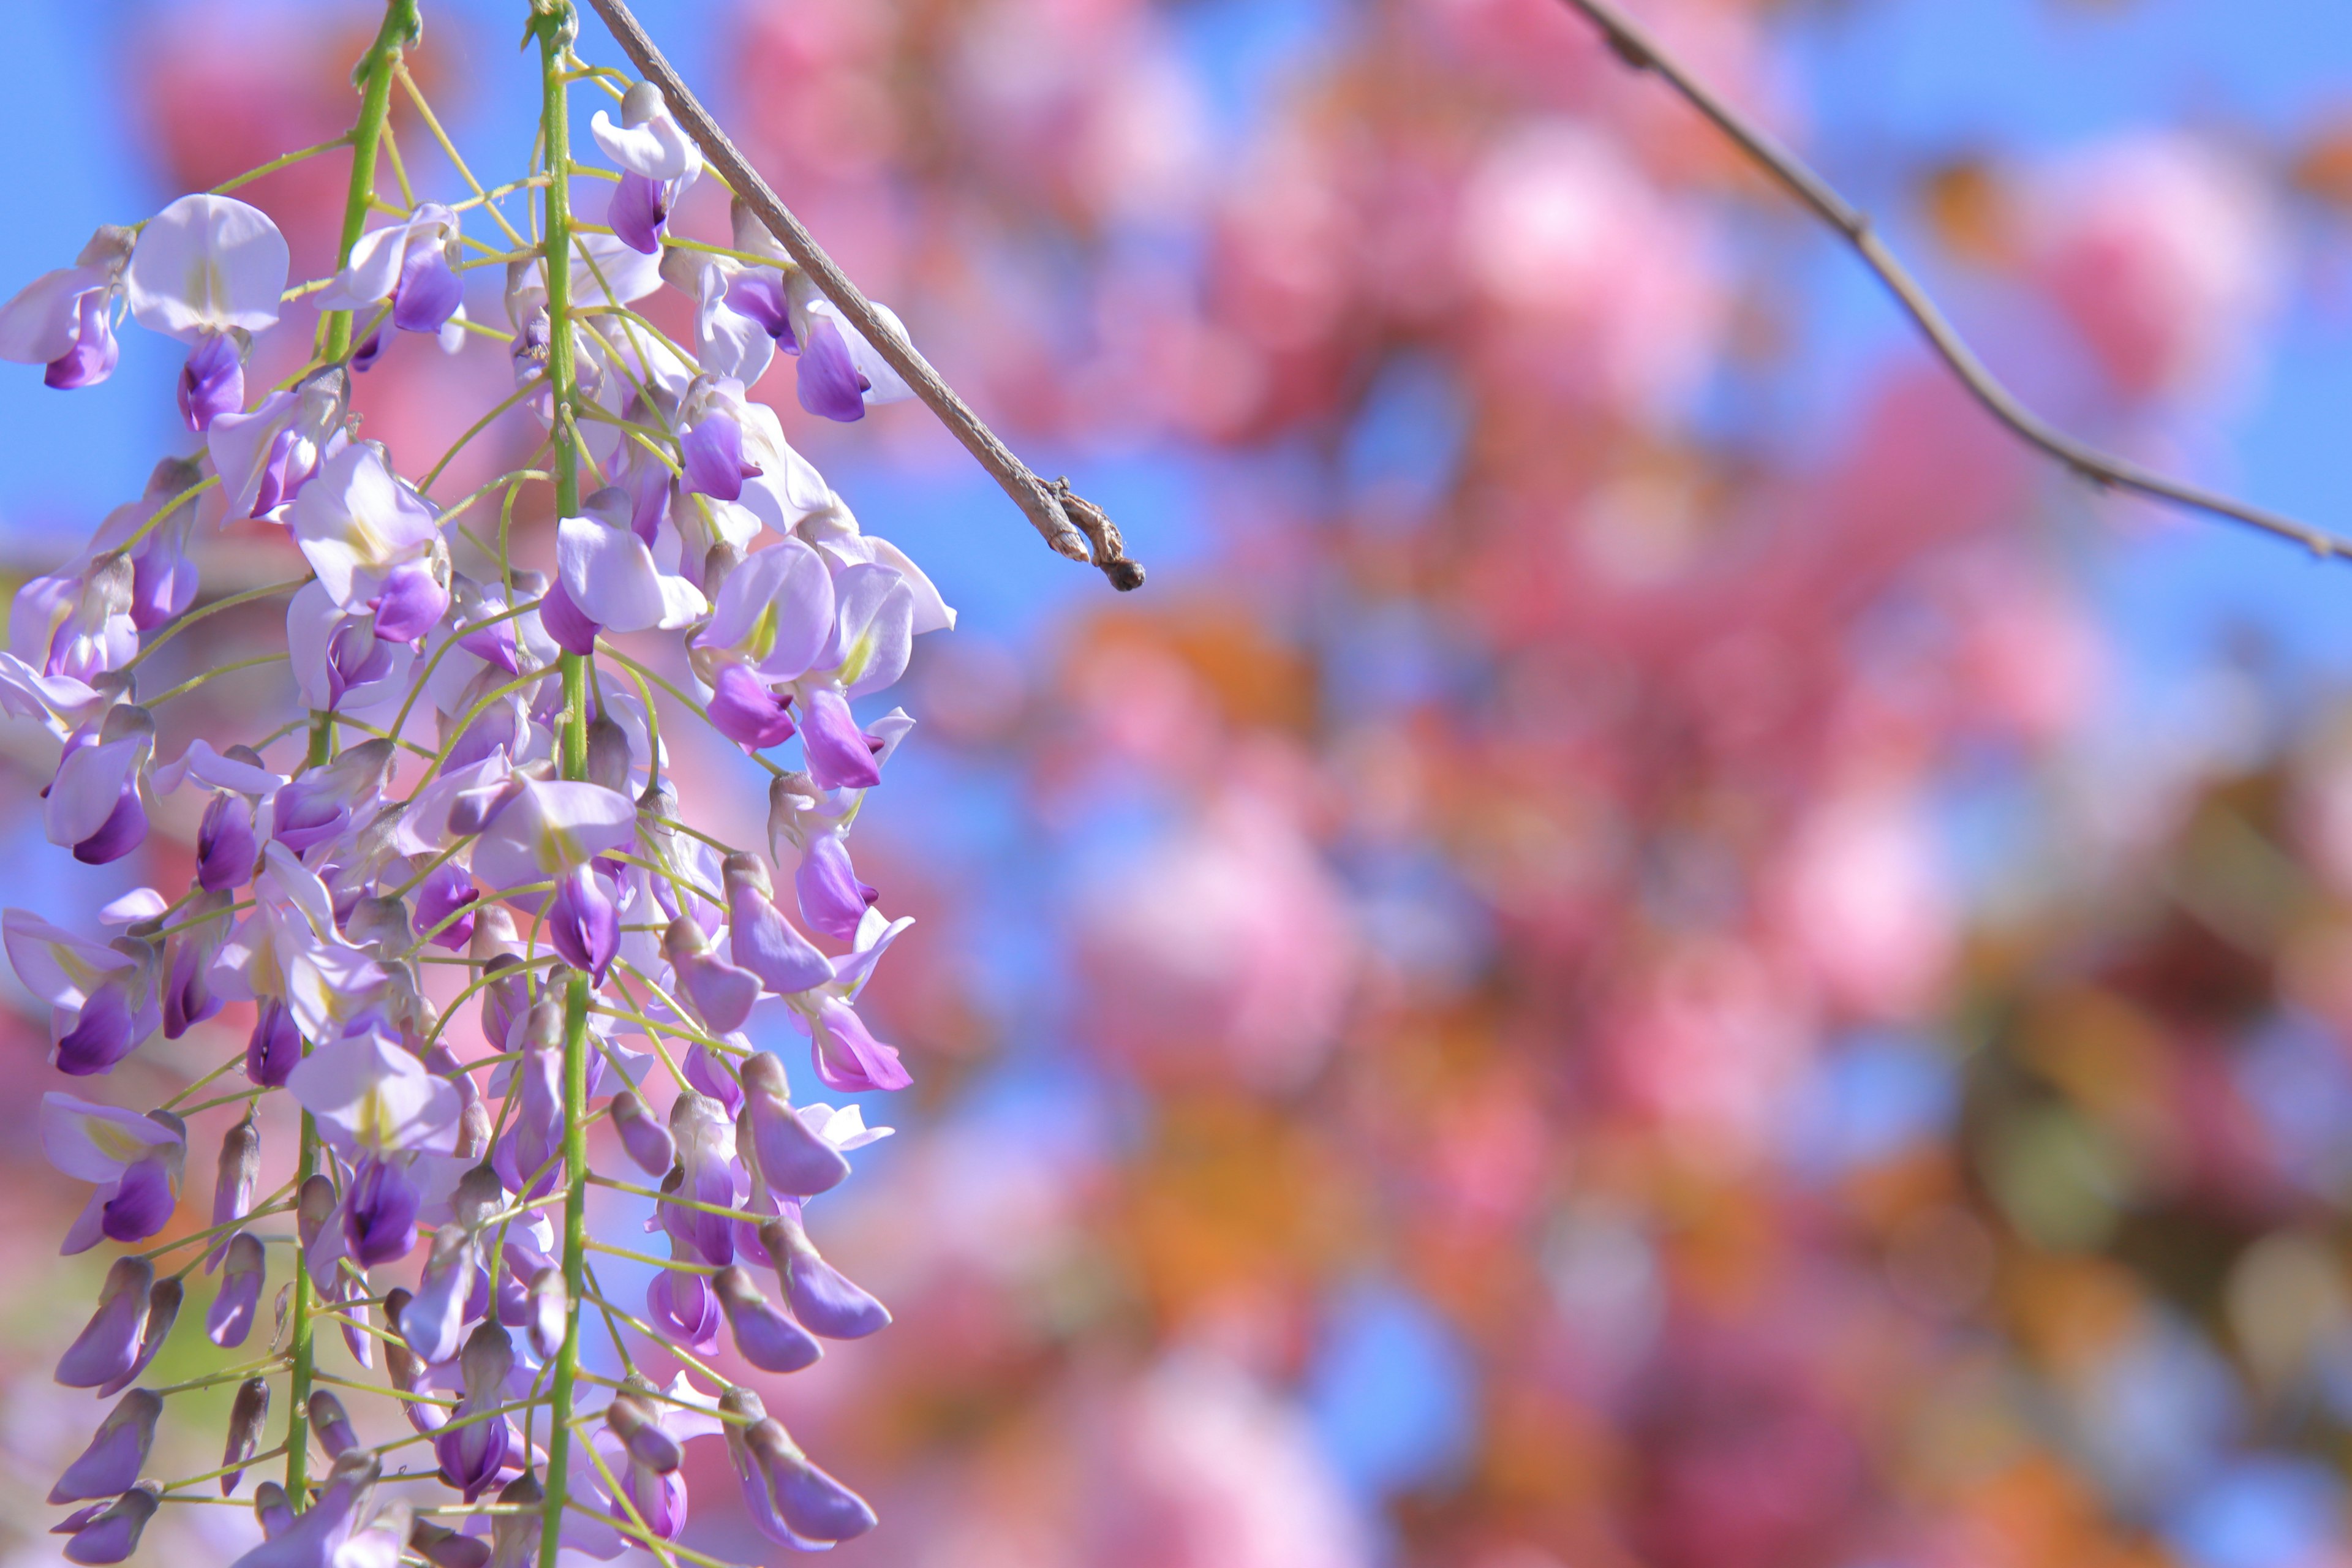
{"x":1651,"y":946}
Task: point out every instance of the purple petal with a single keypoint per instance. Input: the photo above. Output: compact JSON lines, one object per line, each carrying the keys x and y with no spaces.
{"x":101,"y":1036}
{"x":824,"y":1300}
{"x":721,"y":992}
{"x":108,"y":1344}
{"x":650,"y":502}
{"x":760,"y":296}
{"x":765,"y":1336}
{"x":433,"y":1319}
{"x":840,"y":755}
{"x":660,"y":1498}
{"x":271,"y":489}
{"x":124,"y":829}
{"x":413,"y":600}
{"x":833,"y":900}
{"x":446,"y":890}
{"x":582,"y":924}
{"x":306,"y":813}
{"x":848,"y":1057}
{"x":94,"y":353}
{"x":818,"y":1507}
{"x":793,"y":1161}
{"x":814,"y":1506}
{"x":163,"y":1299}
{"x":711,"y":454}
{"x":707,"y":1078}
{"x":428,"y":292}
{"x":274,"y":1049}
{"x":639,"y":209}
{"x":111,"y":1533}
{"x":762,"y":941}
{"x":380,"y":1212}
{"x":745,"y":711}
{"x":332,"y":1425}
{"x":683,"y":1308}
{"x":213,"y":381}
{"x":247,"y":1417}
{"x":111,"y":1464}
{"x":648,"y":1142}
{"x":145,"y":1199}
{"x":164,"y":580}
{"x":226,"y":846}
{"x":566,"y":622}
{"x":493,"y":645}
{"x":188,"y":995}
{"x":230,"y":1317}
{"x":830,"y":387}
{"x":550,"y":1315}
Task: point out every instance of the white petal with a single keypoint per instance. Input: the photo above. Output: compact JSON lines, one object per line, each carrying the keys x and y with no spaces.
{"x":38,"y":325}
{"x":883,"y":383}
{"x":374,"y":272}
{"x":239,"y":444}
{"x":94,"y":1143}
{"x":311,"y":618}
{"x":610,"y":575}
{"x":138,"y":904}
{"x":932,"y":612}
{"x":60,"y":967}
{"x":205,"y":264}
{"x":659,"y":149}
{"x":87,"y":786}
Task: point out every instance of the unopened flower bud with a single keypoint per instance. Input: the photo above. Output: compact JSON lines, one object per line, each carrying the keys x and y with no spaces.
{"x":230,"y":1317}
{"x":332,"y":1424}
{"x":812,"y":1504}
{"x":608,"y":755}
{"x":638,"y":1427}
{"x":550,"y":1318}
{"x":821,"y":1298}
{"x":765,"y":1336}
{"x":648,"y":1142}
{"x":271,"y":1510}
{"x":514,"y":1537}
{"x":110,"y":1532}
{"x":247,"y":1418}
{"x":793,"y":1161}
{"x":108,"y":1345}
{"x":111,"y":1462}
{"x":163,"y":1298}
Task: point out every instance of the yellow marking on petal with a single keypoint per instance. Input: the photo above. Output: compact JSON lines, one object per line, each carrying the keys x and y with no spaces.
{"x":114,"y":1141}
{"x":207,"y":289}
{"x":375,"y":1127}
{"x":861,"y":653}
{"x":86,"y":975}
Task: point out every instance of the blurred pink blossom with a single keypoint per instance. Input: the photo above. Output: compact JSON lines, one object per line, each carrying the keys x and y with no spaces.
{"x":1200,"y":1467}
{"x":2160,"y":250}
{"x":1598,"y":288}
{"x":1225,"y":949}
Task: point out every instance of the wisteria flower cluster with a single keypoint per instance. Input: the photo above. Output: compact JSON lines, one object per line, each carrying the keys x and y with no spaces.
{"x":474,"y":784}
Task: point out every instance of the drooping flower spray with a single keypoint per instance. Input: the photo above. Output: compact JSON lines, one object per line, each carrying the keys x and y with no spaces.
{"x":475,"y":783}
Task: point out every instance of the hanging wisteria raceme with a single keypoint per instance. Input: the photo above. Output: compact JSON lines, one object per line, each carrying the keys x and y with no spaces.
{"x":474,"y":778}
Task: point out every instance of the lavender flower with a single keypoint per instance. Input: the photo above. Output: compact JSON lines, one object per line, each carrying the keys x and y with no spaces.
{"x":461,"y":782}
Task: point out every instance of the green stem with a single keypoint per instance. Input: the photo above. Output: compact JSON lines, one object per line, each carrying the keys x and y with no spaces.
{"x":375,"y":72}
{"x":553,"y":28}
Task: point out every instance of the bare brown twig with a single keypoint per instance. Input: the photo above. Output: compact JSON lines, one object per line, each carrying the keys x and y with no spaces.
{"x":1073,"y":526}
{"x":1638,"y":49}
